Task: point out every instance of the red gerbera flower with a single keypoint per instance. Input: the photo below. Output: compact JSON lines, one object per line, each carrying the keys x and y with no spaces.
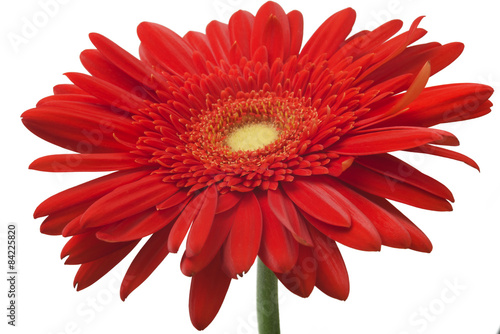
{"x":247,"y":144}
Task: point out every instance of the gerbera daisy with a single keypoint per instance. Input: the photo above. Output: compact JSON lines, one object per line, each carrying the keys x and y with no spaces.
{"x":243,"y":143}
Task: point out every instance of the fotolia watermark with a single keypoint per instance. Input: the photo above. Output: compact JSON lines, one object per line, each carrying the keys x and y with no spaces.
{"x":32,"y":24}
{"x":426,"y":314}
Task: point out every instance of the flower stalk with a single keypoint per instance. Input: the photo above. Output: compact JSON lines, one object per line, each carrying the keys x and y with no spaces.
{"x":268,"y":316}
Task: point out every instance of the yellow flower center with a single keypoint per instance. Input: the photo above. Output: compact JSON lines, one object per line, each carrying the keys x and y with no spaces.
{"x":251,"y":137}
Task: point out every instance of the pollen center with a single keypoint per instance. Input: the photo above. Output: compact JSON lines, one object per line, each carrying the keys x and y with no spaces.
{"x":251,"y":137}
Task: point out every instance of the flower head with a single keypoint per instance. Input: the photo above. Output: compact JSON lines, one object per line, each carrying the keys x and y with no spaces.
{"x":245,"y":143}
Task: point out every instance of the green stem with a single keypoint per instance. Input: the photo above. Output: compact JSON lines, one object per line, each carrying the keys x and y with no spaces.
{"x":268,"y":315}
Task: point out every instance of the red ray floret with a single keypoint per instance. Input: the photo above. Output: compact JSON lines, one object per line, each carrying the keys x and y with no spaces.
{"x":338,"y":107}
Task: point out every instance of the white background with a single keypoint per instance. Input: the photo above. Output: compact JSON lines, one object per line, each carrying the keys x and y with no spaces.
{"x":392,"y":291}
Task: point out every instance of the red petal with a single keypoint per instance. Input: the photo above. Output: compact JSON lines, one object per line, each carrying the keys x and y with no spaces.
{"x":100,"y":67}
{"x":55,"y":223}
{"x":361,"y":235}
{"x":208,"y":290}
{"x":91,"y":272}
{"x":391,"y":231}
{"x":397,"y":169}
{"x":365,"y":43}
{"x":446,"y":103}
{"x":95,"y":162}
{"x":107,"y":92}
{"x":218,"y":35}
{"x":182,"y":224}
{"x":175,"y":200}
{"x":167,"y":48}
{"x":68,"y":89}
{"x":416,"y":87}
{"x":70,"y":98}
{"x":278,"y":249}
{"x":442,"y":152}
{"x":317,"y":199}
{"x":296,"y":31}
{"x":122,"y":59}
{"x":413,"y":58}
{"x":386,"y":140}
{"x":331,"y":275}
{"x":87,"y":191}
{"x":227,"y":201}
{"x":272,"y":30}
{"x":128,"y":200}
{"x":330,"y":35}
{"x":145,"y":262}
{"x":384,"y":186}
{"x":86,"y":247}
{"x":419,"y":240}
{"x":240,"y":30}
{"x":243,"y":241}
{"x":220,"y":229}
{"x":302,"y":278}
{"x":202,"y":224}
{"x":138,"y":226}
{"x":200,"y":42}
{"x":284,"y":211}
{"x":80,"y":127}
{"x":390,"y":49}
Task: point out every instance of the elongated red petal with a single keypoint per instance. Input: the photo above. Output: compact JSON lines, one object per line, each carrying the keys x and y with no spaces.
{"x":272,"y":30}
{"x":331,"y":274}
{"x":361,"y":235}
{"x":167,"y":48}
{"x":67,"y":89}
{"x":318,"y":200}
{"x":138,"y":226}
{"x":387,"y":140}
{"x":283,"y":210}
{"x":91,"y":272}
{"x":122,"y":59}
{"x":240,"y":30}
{"x":200,"y":42}
{"x":107,"y":92}
{"x":384,"y":186}
{"x":128,"y":200}
{"x":96,"y":162}
{"x":202,"y":223}
{"x":329,"y":36}
{"x":442,"y":152}
{"x":227,"y":201}
{"x":86,"y":247}
{"x":413,"y":58}
{"x":243,"y":241}
{"x":302,"y":278}
{"x":55,"y":223}
{"x":392,"y":232}
{"x":145,"y":262}
{"x":185,"y":220}
{"x":100,"y":67}
{"x":218,"y":233}
{"x":278,"y":249}
{"x":208,"y":290}
{"x":80,"y":127}
{"x":360,"y":45}
{"x":446,"y":103}
{"x":419,"y":240}
{"x":218,"y":36}
{"x":296,"y":21}
{"x":87,"y":191}
{"x":397,"y":169}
